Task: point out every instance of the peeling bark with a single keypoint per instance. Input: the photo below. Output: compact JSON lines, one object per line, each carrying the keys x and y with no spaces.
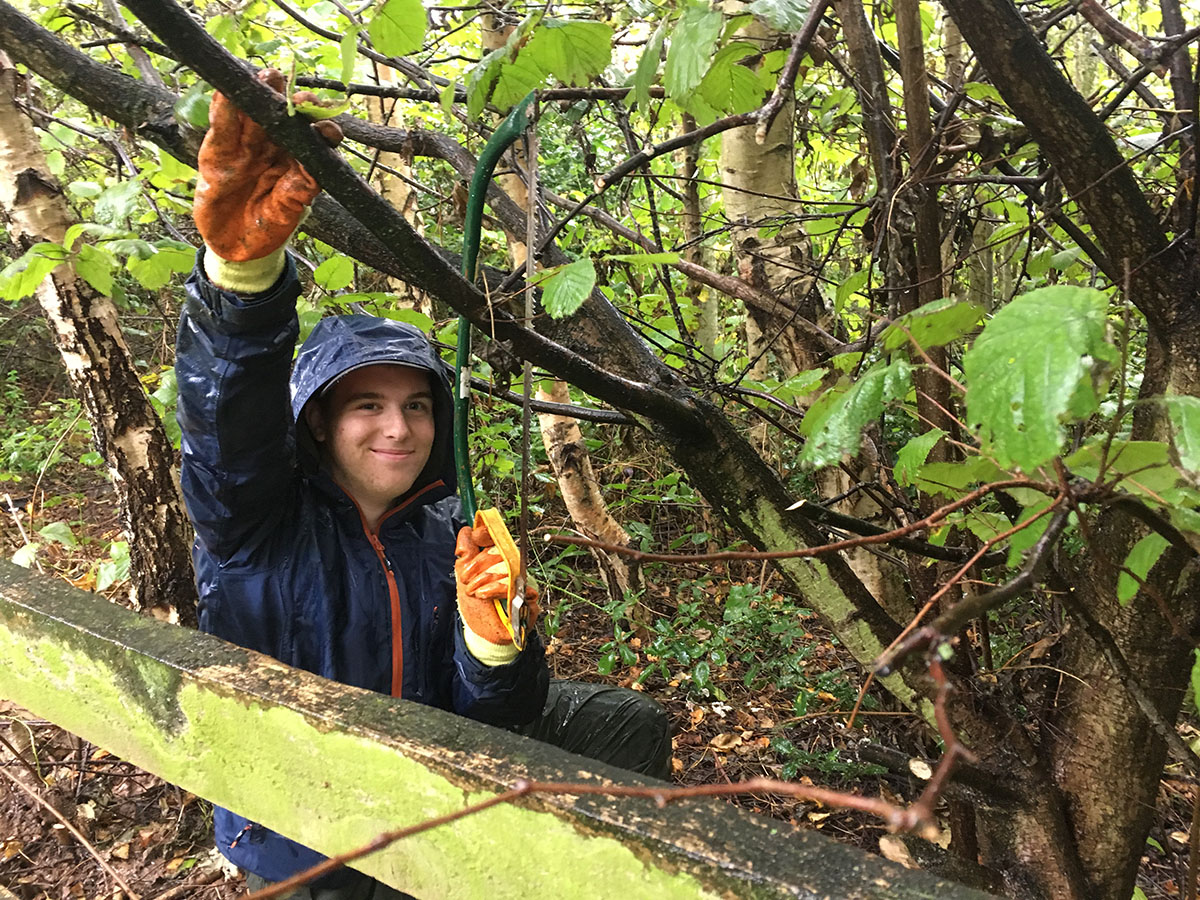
{"x":126,"y":430}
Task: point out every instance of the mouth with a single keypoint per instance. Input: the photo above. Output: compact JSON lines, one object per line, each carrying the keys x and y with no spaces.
{"x":393,"y":454}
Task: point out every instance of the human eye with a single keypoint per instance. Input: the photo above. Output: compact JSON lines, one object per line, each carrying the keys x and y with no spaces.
{"x":421,"y":405}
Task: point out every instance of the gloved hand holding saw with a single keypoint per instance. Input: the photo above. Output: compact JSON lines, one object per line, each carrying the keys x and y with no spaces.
{"x":486,"y":571}
{"x":251,"y":194}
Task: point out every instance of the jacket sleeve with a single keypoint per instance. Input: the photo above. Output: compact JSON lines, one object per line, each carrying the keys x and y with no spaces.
{"x":232,"y":359}
{"x":507,"y":695}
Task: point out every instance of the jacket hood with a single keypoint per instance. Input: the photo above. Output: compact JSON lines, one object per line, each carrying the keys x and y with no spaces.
{"x":339,"y":344}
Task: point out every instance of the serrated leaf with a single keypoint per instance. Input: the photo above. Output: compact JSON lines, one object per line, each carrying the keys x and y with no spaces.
{"x":728,"y":86}
{"x":800,"y":384}
{"x":912,"y":455}
{"x":572,"y":51}
{"x":192,"y":106}
{"x":950,"y":478}
{"x":644,"y":259}
{"x":782,"y":15}
{"x":516,"y":79}
{"x":647,"y":69}
{"x":21,"y":277}
{"x":1145,"y":464}
{"x":59,"y":533}
{"x":1024,"y":370}
{"x":117,"y":202}
{"x":481,"y":80}
{"x":1184,"y":413}
{"x":566,"y":287}
{"x":691,"y":50}
{"x":835,"y":430}
{"x":933,"y":325}
{"x":398,"y":27}
{"x":1140,"y":561}
{"x":335,"y":273}
{"x":95,"y":267}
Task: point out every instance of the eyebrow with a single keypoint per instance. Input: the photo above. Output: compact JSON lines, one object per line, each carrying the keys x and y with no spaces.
{"x":377,"y":395}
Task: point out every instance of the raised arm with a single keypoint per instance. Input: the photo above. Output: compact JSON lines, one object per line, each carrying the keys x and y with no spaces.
{"x":238,"y":330}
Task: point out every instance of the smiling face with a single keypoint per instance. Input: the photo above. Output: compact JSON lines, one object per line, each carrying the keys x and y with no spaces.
{"x":376,"y":431}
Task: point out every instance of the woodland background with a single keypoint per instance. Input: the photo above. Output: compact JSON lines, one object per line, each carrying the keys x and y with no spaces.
{"x":917,"y":277}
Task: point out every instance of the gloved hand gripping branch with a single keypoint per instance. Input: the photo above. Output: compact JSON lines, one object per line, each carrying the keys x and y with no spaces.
{"x":251,"y":195}
{"x":486,"y":571}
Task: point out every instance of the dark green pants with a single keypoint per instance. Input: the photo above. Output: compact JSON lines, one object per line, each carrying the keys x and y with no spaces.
{"x":611,"y":725}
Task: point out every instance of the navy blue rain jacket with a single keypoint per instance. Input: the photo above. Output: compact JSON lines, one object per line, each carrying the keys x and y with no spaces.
{"x":284,"y":562}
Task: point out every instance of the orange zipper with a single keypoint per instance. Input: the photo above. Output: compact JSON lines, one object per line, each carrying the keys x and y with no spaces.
{"x":393,"y":589}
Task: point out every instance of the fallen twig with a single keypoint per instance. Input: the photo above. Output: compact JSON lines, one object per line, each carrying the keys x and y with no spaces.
{"x":75,"y":832}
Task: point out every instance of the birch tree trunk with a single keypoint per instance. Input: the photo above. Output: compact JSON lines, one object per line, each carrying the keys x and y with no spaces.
{"x":125,"y":428}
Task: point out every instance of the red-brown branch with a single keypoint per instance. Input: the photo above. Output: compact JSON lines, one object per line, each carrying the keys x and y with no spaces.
{"x":897,"y":818}
{"x":932,"y":519}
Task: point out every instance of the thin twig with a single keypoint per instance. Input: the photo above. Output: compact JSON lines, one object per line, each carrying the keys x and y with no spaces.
{"x":933,"y":518}
{"x":898,"y":818}
{"x":75,"y":832}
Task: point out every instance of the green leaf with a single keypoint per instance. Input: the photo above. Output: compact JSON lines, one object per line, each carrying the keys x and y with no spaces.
{"x":572,"y":51}
{"x":950,"y":478}
{"x":26,"y":555}
{"x":156,"y":270}
{"x":348,"y":48}
{"x":566,"y":287}
{"x":852,"y":285}
{"x":21,"y":277}
{"x":912,"y":455}
{"x":835,"y":429}
{"x":192,"y":106}
{"x":335,"y":273}
{"x":95,"y":267}
{"x":1140,"y":561}
{"x":116,"y":569}
{"x":1196,"y":678}
{"x":781,"y":15}
{"x":647,"y":68}
{"x":1025,"y":369}
{"x":319,"y":111}
{"x":59,"y":533}
{"x":644,"y":259}
{"x":728,"y":86}
{"x":691,"y":49}
{"x":933,"y":325}
{"x":117,"y":202}
{"x":978,"y":90}
{"x":398,"y":27}
{"x":482,"y":79}
{"x":1184,"y":413}
{"x":517,"y":78}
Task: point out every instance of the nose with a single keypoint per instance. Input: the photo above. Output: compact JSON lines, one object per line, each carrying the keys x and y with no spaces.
{"x":395,"y":425}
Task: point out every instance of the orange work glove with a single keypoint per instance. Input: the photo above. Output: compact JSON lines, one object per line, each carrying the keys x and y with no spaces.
{"x":483,"y":577}
{"x":251,"y":193}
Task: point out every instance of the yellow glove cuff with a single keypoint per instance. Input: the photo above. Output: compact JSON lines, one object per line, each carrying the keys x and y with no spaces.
{"x":486,"y":652}
{"x":251,"y":277}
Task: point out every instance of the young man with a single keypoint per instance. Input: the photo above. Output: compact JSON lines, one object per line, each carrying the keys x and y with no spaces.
{"x":326,"y":525}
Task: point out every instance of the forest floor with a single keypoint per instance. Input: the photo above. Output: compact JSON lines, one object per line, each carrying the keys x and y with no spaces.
{"x":75,"y":821}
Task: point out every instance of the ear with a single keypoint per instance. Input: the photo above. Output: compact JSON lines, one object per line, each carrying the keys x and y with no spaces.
{"x":314,"y":417}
